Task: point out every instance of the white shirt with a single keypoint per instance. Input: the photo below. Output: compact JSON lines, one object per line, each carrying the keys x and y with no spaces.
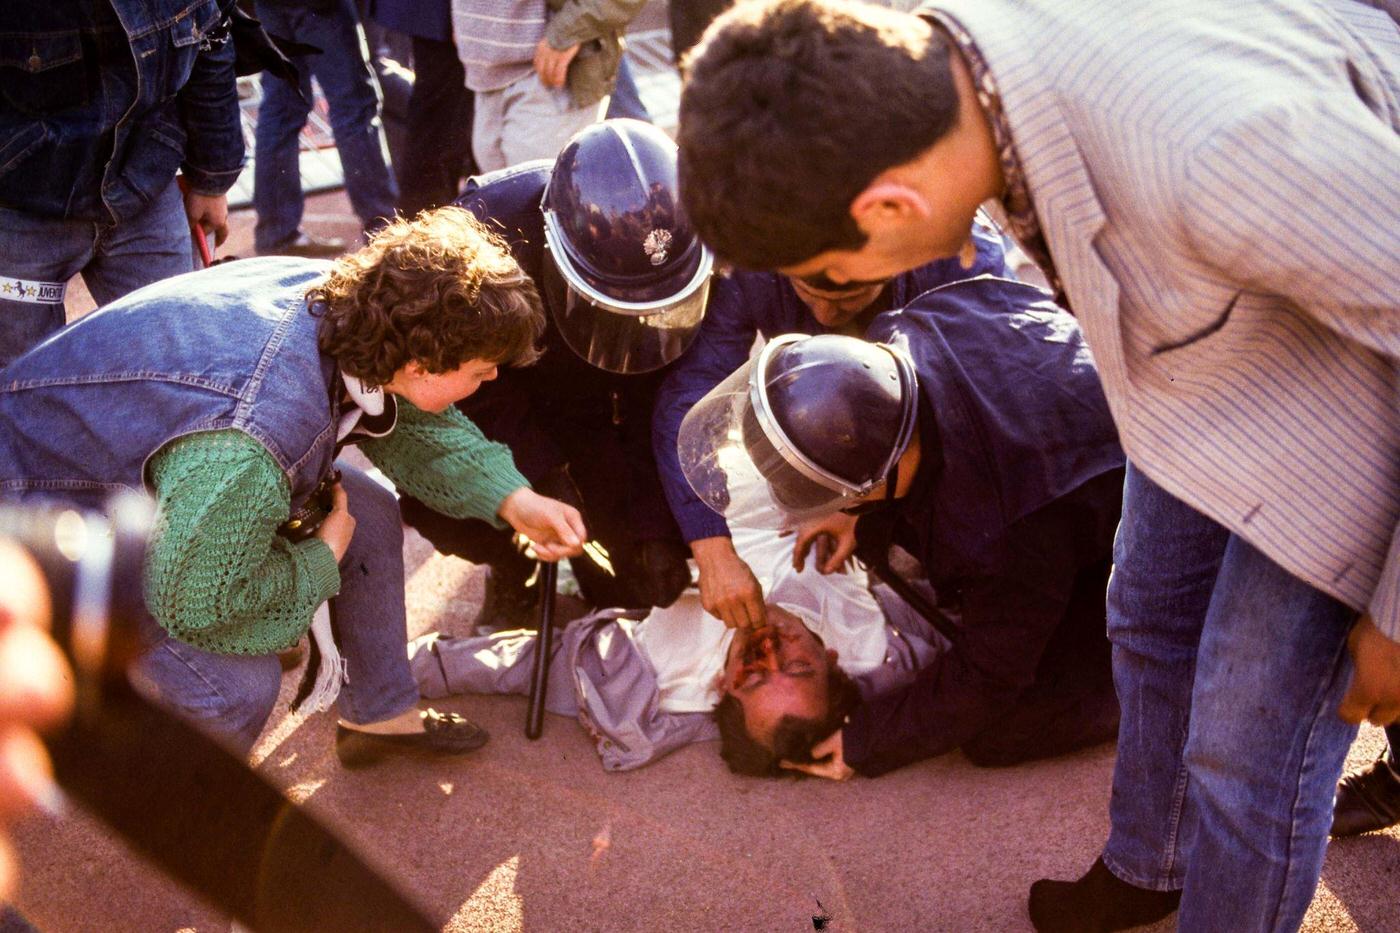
{"x":687,"y":646}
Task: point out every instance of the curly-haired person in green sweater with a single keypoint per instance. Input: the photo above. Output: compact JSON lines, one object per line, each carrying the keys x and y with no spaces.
{"x":229,"y":393}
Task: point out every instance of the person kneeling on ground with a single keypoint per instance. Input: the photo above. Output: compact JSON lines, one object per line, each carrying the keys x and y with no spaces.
{"x":996,"y":466}
{"x":229,"y":393}
{"x":624,"y":285}
{"x":744,"y":306}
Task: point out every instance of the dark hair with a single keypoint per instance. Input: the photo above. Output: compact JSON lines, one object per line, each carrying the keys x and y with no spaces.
{"x":792,"y":739}
{"x":791,"y":108}
{"x":437,"y":290}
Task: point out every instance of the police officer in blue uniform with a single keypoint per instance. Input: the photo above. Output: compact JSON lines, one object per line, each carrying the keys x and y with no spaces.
{"x":970,"y":429}
{"x":624,"y":281}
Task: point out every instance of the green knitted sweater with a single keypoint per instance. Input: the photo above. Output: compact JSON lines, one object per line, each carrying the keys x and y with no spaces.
{"x":218,"y":575}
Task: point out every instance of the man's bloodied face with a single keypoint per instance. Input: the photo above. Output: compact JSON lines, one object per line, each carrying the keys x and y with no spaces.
{"x":775,"y":671}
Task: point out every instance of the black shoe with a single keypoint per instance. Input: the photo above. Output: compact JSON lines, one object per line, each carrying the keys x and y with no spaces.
{"x":1367,"y":801}
{"x":308,"y":245}
{"x":443,"y":734}
{"x":1100,"y":902}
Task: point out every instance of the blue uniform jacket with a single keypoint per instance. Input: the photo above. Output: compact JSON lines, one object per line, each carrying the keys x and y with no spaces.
{"x":742,"y":306}
{"x":1011,"y":513}
{"x":563,"y":410}
{"x":1011,"y":408}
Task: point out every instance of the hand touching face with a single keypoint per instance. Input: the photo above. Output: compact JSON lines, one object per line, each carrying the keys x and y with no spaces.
{"x":778,"y":670}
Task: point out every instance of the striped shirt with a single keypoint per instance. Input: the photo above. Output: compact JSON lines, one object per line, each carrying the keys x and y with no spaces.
{"x":496,"y":39}
{"x":1219,"y":186}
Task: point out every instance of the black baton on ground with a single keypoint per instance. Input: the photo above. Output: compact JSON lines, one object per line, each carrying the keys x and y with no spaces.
{"x":539,"y":674}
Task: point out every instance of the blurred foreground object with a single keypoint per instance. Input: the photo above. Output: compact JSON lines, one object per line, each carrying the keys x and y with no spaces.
{"x":151,"y":777}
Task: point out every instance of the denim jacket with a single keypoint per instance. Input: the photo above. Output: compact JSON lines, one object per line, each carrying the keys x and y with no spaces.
{"x":230,"y":347}
{"x":101,"y":101}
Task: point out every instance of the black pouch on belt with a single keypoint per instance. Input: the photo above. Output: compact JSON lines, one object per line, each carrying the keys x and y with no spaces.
{"x":308,"y":518}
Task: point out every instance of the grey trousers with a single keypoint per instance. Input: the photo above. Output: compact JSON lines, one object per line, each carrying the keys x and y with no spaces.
{"x":526,"y":120}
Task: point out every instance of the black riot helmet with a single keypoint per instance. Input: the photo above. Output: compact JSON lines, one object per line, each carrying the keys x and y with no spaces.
{"x":625,"y":277}
{"x":815,"y":422}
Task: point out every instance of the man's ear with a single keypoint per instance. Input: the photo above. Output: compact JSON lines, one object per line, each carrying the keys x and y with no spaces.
{"x":885,"y":203}
{"x":831,"y":657}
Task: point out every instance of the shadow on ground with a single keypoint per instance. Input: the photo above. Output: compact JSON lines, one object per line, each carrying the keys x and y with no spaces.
{"x":535,"y":835}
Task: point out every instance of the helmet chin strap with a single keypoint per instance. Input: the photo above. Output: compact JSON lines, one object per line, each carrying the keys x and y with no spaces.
{"x":885,"y":501}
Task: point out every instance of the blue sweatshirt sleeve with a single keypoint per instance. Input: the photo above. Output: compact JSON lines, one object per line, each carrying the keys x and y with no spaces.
{"x":722,"y":346}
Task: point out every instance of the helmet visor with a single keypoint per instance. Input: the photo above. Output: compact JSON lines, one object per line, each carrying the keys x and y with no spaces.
{"x":624,"y":339}
{"x":741,"y":467}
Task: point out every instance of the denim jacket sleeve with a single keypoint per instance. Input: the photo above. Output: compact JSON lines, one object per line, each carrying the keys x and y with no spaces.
{"x":208,"y":107}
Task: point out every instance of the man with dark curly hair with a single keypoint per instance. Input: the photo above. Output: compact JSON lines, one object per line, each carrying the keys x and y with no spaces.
{"x":229,"y":393}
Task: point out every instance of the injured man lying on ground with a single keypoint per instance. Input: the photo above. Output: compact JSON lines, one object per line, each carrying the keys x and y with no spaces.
{"x":643,"y":685}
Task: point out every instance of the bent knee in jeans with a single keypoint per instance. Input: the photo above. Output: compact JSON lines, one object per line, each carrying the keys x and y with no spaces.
{"x":229,"y":697}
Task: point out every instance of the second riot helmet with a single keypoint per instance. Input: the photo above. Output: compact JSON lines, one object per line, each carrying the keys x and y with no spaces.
{"x":816,"y":422}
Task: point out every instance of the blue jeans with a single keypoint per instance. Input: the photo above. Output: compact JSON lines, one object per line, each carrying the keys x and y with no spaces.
{"x":1229,"y":672}
{"x":231,"y":696}
{"x":343,"y":71}
{"x":113,"y":259}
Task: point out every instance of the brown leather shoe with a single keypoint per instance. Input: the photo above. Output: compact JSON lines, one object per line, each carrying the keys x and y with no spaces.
{"x":1367,"y":800}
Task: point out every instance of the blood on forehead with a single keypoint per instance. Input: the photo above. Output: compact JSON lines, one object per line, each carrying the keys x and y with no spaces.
{"x":760,"y":652}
